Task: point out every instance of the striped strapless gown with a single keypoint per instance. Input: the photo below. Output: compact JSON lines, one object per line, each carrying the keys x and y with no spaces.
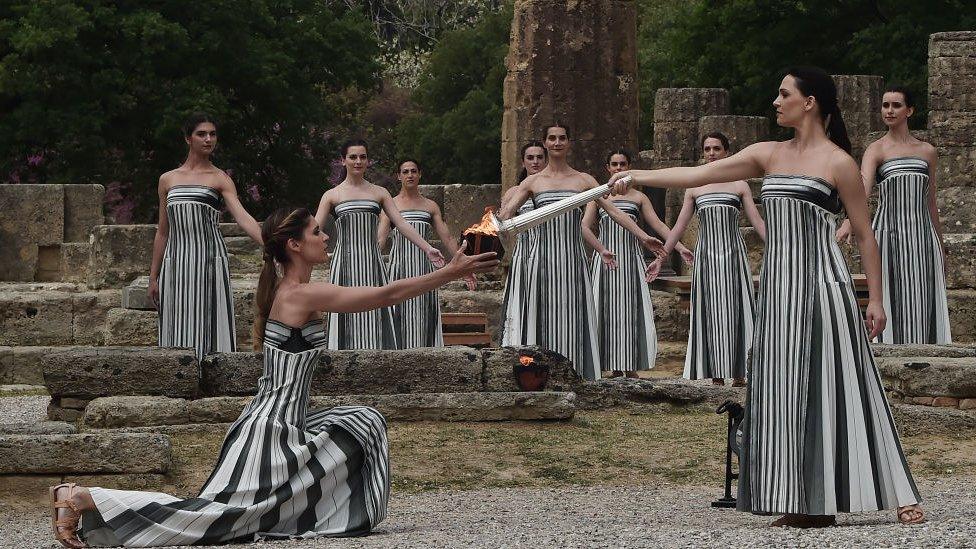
{"x":914,"y":286}
{"x":520,"y":278}
{"x":560,"y":302}
{"x":356,"y":261}
{"x":818,"y":436}
{"x":722,"y":301}
{"x":417,"y":320}
{"x":282,"y":472}
{"x":196,"y":303}
{"x":624,"y":313}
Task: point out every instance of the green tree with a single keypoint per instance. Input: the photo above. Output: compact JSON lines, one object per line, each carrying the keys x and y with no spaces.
{"x":456,"y":131}
{"x":97,"y":89}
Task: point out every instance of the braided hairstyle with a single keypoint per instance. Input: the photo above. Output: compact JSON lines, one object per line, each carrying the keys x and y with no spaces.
{"x":280,"y":227}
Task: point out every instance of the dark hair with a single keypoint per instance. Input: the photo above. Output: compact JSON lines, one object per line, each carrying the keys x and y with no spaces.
{"x":351,"y":143}
{"x":191,"y":122}
{"x":618,"y":151}
{"x":715,"y":135}
{"x":276,"y":230}
{"x":556,"y":124}
{"x":815,"y":82}
{"x":523,"y":173}
{"x":405,"y":160}
{"x":909,"y":98}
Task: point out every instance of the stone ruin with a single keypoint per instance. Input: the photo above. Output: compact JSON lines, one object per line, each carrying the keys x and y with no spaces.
{"x":74,"y":318}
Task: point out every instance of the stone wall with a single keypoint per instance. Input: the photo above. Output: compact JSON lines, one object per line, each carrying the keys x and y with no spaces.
{"x":554,"y":47}
{"x":38,"y":220}
{"x":859,"y":98}
{"x":952,"y":126}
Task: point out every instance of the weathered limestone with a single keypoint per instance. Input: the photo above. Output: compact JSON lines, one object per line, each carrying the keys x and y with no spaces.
{"x":87,"y":373}
{"x":74,"y":261}
{"x":498,"y":362}
{"x":924,"y":419}
{"x":120,"y":253}
{"x":962,"y":315}
{"x":553,"y":45}
{"x":742,"y":131}
{"x":33,"y":216}
{"x":40,"y":428}
{"x":960,"y":268}
{"x":464,"y":205}
{"x":607,"y":393}
{"x":952,"y":126}
{"x":942,"y":351}
{"x":859,"y":97}
{"x":83,"y":206}
{"x":86,"y":453}
{"x":677,"y":112}
{"x":138,"y":411}
{"x":130,"y":327}
{"x":930,"y":376}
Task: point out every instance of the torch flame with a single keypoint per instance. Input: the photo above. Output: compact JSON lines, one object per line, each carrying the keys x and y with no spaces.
{"x":485,"y":226}
{"x":526,"y":360}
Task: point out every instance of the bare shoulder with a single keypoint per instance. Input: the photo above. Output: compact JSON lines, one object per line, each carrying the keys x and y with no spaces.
{"x":432,"y":207}
{"x":224,"y":181}
{"x":588,"y":180}
{"x":380,"y":192}
{"x":928,"y":151}
{"x":842,"y":166}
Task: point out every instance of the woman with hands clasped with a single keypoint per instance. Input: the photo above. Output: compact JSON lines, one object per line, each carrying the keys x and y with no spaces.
{"x":818,"y":436}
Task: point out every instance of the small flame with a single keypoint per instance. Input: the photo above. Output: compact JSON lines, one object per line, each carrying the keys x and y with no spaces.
{"x":526,"y":360}
{"x":485,"y":226}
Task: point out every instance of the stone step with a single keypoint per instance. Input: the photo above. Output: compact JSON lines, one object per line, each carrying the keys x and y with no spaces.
{"x":38,"y":428}
{"x":140,"y":411}
{"x":86,"y":453}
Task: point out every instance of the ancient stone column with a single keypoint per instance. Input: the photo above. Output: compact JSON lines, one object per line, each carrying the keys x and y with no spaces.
{"x":859,"y":97}
{"x":742,"y":131}
{"x":575,"y":62}
{"x":952,"y":126}
{"x":677,"y":112}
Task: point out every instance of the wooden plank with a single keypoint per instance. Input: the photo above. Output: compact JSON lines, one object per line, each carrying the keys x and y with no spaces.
{"x":469,"y":338}
{"x":464,"y":318}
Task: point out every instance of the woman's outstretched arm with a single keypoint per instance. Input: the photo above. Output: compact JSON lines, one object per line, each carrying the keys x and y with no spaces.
{"x":749,"y":162}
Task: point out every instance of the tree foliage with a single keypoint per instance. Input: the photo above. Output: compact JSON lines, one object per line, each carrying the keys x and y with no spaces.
{"x":745,"y":45}
{"x":456,"y":131}
{"x":94,"y":91}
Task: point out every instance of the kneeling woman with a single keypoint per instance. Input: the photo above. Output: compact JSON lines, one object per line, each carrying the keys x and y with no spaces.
{"x":282,"y":471}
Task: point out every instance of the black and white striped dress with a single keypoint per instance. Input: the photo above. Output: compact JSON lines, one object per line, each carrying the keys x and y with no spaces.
{"x":417,"y":320}
{"x":624,"y":313}
{"x":516,"y":321}
{"x":282,"y":471}
{"x":818,"y":437}
{"x":911,"y":255}
{"x":560,"y":309}
{"x":722,"y":302}
{"x":196,"y":303}
{"x":356,"y":261}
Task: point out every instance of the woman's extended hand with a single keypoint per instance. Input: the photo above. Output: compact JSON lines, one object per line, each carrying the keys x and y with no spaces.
{"x":154,"y":292}
{"x":436,"y":257}
{"x":653,"y":245}
{"x":609,"y":259}
{"x":653,"y":268}
{"x":687,"y":256}
{"x":620,"y":182}
{"x":463,"y":265}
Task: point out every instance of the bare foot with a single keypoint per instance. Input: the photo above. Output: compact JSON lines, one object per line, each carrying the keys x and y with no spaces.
{"x":911,"y":514}
{"x":804,"y":521}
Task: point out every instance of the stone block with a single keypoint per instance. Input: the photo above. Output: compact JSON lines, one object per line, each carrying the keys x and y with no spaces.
{"x":217,"y":409}
{"x":859,"y":97}
{"x":136,"y":411}
{"x":499,"y":375}
{"x":478,"y":301}
{"x":89,"y":313}
{"x":464,"y":205}
{"x":48,"y":266}
{"x":967,"y":404}
{"x":25,"y":488}
{"x":922,"y":401}
{"x":957,"y":208}
{"x":85,"y":453}
{"x":243,"y":255}
{"x":606,"y":393}
{"x":471,"y":406}
{"x":956,"y":168}
{"x":676,"y":140}
{"x":143,"y":482}
{"x":742,"y":131}
{"x":670,"y":317}
{"x":915,"y":420}
{"x":87,"y":372}
{"x":928,"y":377}
{"x":74,"y":261}
{"x":33,"y":216}
{"x":22,"y":365}
{"x":136,"y":295}
{"x":962,"y":315}
{"x":57,"y":413}
{"x":952,"y":44}
{"x":83,"y":210}
{"x":435,"y":193}
{"x":945,"y":402}
{"x":130,"y":327}
{"x":689,"y":104}
{"x":960,"y":259}
{"x":38,"y":428}
{"x":943,"y":351}
{"x":43,"y":317}
{"x":953,"y":128}
{"x":119,"y":254}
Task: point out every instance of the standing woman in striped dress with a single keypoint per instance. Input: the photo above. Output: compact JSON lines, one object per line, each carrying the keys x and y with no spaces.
{"x":283,"y":471}
{"x":356,"y":205}
{"x":417,"y":321}
{"x":624,"y":312}
{"x":907,"y":227}
{"x":189,"y":279}
{"x":818,"y":436}
{"x":722,"y":304}
{"x":560,"y":311}
{"x":519,"y":279}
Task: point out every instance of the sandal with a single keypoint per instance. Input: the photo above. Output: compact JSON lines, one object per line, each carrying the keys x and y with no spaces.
{"x":804,"y":521}
{"x":65,"y":529}
{"x":905,"y":514}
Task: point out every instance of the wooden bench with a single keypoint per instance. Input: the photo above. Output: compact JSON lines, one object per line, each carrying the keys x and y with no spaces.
{"x":465,"y":329}
{"x":681,"y":285}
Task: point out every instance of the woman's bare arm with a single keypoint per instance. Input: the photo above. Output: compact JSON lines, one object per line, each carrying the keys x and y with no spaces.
{"x":752,"y":212}
{"x":244,"y":219}
{"x":747,"y":163}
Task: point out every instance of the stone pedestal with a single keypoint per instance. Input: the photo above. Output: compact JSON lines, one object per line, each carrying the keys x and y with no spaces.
{"x":576,"y":63}
{"x":859,"y":97}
